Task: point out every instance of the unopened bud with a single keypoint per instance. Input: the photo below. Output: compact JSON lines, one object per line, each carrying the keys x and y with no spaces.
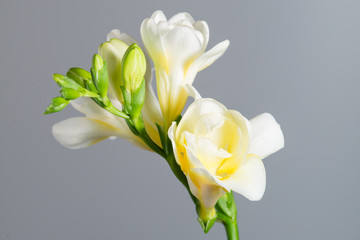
{"x":133,"y":67}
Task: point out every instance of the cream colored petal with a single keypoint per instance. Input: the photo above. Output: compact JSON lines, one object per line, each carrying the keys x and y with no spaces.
{"x":191,"y":91}
{"x":266,"y":136}
{"x":210,"y":155}
{"x":112,"y":52}
{"x":196,"y":110}
{"x":182,"y":46}
{"x":181,"y":17}
{"x":250,"y":178}
{"x":153,"y":42}
{"x":82,"y":132}
{"x":205,"y":187}
{"x":115,"y":33}
{"x":90,"y":109}
{"x":171,"y":135}
{"x":205,"y":60}
{"x":203,"y":28}
{"x":152,"y":113}
{"x":158,"y":16}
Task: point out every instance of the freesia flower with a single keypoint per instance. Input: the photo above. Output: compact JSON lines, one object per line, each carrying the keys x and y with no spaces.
{"x":220,"y":150}
{"x":98,"y":124}
{"x":177,"y":48}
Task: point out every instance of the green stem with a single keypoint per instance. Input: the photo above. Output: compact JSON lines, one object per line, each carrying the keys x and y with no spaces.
{"x":170,"y":158}
{"x":231,"y":230}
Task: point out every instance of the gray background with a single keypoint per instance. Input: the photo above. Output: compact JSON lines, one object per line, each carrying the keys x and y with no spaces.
{"x":298,"y":60}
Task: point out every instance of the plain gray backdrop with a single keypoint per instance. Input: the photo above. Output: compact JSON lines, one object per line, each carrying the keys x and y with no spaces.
{"x":299,"y":60}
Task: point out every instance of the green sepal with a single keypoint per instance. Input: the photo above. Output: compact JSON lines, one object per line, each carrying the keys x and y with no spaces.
{"x":137,"y":99}
{"x":226,"y":206}
{"x":127,"y":100}
{"x":207,"y":217}
{"x":207,"y":224}
{"x":178,"y":119}
{"x":79,"y":75}
{"x":100,"y":75}
{"x":57,"y":104}
{"x":134,"y":101}
{"x":163,"y":138}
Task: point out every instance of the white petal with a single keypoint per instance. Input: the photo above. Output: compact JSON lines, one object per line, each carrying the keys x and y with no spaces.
{"x":181,"y":17}
{"x":152,"y":39}
{"x":93,"y":111}
{"x":266,"y":136}
{"x":181,"y":45}
{"x":205,"y":187}
{"x":82,"y":132}
{"x":203,"y":28}
{"x":202,"y":153}
{"x":206,"y":60}
{"x":192,"y":92}
{"x":249,"y":179}
{"x":158,"y":16}
{"x":89,"y":108}
{"x":196,"y":110}
{"x":115,"y":33}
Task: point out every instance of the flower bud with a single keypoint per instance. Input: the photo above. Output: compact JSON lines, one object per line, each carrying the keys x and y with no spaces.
{"x":79,"y":75}
{"x":134,"y":67}
{"x":57,"y":104}
{"x":207,"y":218}
{"x":70,"y":94}
{"x":99,"y":75}
{"x":133,"y":88}
{"x":97,"y":62}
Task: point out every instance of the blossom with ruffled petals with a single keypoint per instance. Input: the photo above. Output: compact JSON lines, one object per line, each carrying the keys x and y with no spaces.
{"x":177,"y":47}
{"x":220,"y":150}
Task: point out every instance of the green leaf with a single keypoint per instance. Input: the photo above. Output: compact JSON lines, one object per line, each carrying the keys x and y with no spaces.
{"x":57,"y":104}
{"x":79,"y":75}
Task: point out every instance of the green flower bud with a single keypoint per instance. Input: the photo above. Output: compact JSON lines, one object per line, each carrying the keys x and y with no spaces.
{"x":57,"y":104}
{"x":79,"y":75}
{"x":68,"y":83}
{"x":99,"y":75}
{"x":70,"y":94}
{"x":97,"y":62}
{"x":134,"y":67}
{"x":207,"y":218}
{"x":133,"y":88}
{"x":112,"y":53}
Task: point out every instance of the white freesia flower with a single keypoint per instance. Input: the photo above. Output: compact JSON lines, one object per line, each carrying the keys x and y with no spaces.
{"x":98,"y":124}
{"x":177,"y":48}
{"x":220,"y":150}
